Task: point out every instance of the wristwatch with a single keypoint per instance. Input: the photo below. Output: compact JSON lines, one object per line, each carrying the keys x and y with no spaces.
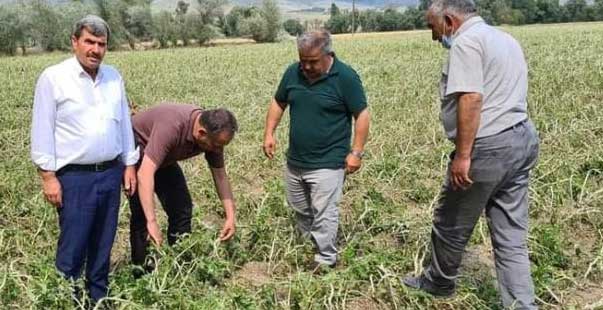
{"x":358,"y":154}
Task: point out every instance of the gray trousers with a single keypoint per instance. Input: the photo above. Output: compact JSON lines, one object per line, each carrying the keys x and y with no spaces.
{"x":313,"y":194}
{"x":500,"y":170}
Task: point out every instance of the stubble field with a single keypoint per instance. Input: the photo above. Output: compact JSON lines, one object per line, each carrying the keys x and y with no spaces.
{"x":387,"y":206}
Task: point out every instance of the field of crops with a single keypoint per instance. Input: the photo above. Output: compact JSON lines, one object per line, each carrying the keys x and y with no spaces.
{"x":387,"y":206}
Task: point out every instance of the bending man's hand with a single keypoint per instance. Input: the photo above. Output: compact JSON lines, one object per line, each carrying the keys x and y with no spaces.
{"x":155,"y":233}
{"x":228,"y":230}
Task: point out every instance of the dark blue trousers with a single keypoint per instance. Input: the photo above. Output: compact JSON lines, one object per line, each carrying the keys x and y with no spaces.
{"x":88,"y":222}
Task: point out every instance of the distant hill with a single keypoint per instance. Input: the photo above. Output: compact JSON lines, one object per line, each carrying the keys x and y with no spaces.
{"x":341,"y":3}
{"x":303,"y":9}
{"x":327,"y":3}
{"x":290,"y":7}
{"x":296,"y":5}
{"x":286,"y":5}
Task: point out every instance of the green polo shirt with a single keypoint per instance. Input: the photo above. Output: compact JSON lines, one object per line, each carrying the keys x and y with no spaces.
{"x":321,"y":115}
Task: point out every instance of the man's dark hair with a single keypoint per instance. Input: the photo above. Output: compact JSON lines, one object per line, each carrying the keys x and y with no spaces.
{"x":220,"y":120}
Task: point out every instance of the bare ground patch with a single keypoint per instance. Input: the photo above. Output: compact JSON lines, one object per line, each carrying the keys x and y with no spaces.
{"x":253,"y":274}
{"x":589,"y":297}
{"x":386,"y":241}
{"x":478,"y":260}
{"x":210,"y":220}
{"x":364,"y":303}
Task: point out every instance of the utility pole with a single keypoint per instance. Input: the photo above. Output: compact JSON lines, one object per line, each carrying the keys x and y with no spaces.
{"x":353,"y":16}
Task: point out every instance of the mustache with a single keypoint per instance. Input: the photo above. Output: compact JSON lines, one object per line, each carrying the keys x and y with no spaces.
{"x":94,"y":55}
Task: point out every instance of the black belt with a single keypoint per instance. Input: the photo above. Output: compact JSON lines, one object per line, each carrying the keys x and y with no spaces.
{"x":515,"y":126}
{"x":98,"y":167}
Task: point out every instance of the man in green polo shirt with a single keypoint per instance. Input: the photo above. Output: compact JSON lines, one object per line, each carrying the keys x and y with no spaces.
{"x":323,"y":94}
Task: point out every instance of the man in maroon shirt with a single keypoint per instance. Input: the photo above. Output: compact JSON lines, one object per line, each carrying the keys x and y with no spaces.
{"x":166,"y":134}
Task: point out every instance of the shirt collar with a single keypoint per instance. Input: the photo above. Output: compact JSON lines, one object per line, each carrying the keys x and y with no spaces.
{"x":335,"y":67}
{"x":334,"y":70}
{"x":79,"y":70}
{"x":468,"y":24}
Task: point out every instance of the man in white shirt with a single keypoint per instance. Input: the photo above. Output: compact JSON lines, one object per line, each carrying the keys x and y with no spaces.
{"x":81,"y":139}
{"x":483,"y":92}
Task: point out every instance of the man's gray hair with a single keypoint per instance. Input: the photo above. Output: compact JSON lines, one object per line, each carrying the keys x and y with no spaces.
{"x":465,"y":8}
{"x":216,"y":121}
{"x":97,"y":26}
{"x":315,"y":39}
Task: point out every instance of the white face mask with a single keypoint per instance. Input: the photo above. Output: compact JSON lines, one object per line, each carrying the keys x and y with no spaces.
{"x":447,"y":40}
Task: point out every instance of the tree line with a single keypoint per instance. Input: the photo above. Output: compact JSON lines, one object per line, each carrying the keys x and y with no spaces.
{"x":495,"y":12}
{"x":36,"y":23}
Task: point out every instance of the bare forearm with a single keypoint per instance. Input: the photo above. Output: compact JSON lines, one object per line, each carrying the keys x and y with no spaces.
{"x":229,"y":209}
{"x":273,"y":118}
{"x":224,"y":191}
{"x":146,"y":189}
{"x":361,"y":130}
{"x":468,"y":120}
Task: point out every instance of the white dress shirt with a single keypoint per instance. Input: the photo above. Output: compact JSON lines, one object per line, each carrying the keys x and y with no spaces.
{"x":77,"y":120}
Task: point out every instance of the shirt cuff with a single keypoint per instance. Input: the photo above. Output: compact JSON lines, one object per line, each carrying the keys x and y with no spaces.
{"x":131,"y":158}
{"x":453,"y":89}
{"x":44,"y":161}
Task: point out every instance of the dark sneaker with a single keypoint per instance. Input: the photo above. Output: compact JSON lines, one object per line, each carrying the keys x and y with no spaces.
{"x":423,"y":284}
{"x":317,"y":268}
{"x":140,"y":270}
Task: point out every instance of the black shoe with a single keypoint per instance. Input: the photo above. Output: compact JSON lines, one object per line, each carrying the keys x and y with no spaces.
{"x":317,"y":268}
{"x":422,"y":283}
{"x":140,"y":270}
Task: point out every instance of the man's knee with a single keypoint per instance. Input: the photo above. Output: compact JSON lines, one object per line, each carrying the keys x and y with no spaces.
{"x":515,"y":254}
{"x":69,"y":269}
{"x":179,"y":221}
{"x":455,"y":237}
